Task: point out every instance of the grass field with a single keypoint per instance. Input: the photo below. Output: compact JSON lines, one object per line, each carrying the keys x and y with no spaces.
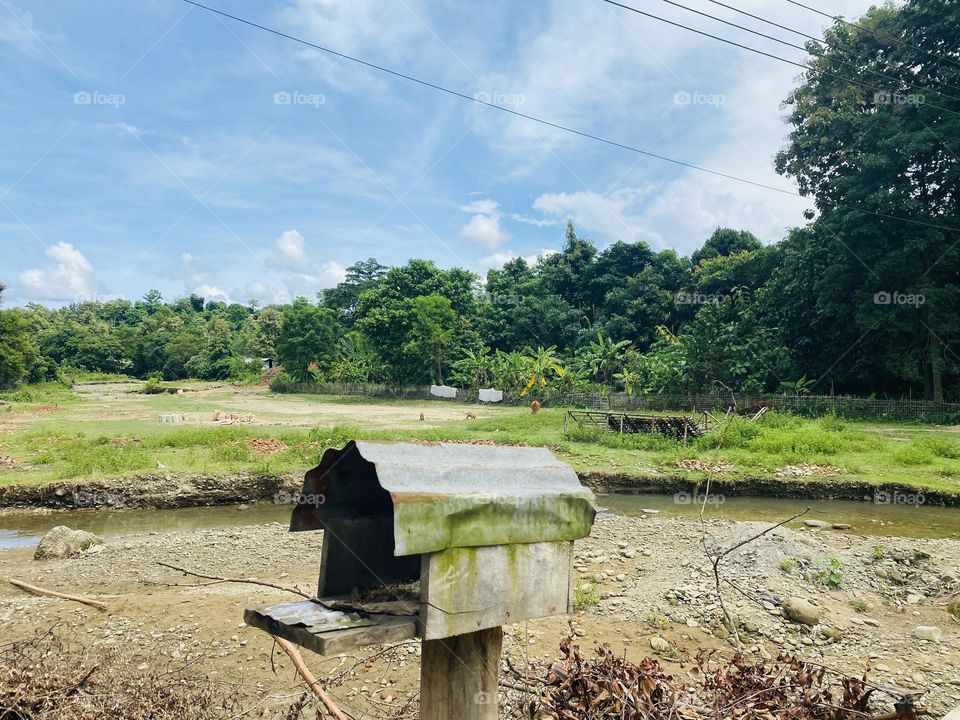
{"x":109,"y":430}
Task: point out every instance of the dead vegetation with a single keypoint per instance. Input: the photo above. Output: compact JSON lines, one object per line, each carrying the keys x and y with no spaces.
{"x":44,"y":679}
{"x":608,"y":686}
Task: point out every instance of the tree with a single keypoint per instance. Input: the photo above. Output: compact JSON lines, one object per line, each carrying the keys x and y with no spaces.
{"x":724,"y":242}
{"x":360,"y":276}
{"x":18,"y":351}
{"x":308,"y":336}
{"x":601,"y":359}
{"x":542,"y":364}
{"x":474,"y":369}
{"x":866,"y":157}
{"x":431,"y":333}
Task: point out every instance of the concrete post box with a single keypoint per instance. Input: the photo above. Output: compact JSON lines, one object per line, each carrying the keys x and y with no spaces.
{"x":447,"y":542}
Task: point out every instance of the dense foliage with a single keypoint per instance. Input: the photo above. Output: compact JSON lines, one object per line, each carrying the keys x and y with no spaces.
{"x":862,"y":299}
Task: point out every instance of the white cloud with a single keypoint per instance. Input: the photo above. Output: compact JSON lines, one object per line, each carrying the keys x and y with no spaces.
{"x":484,"y":207}
{"x":290,"y":253}
{"x":16,"y":28}
{"x":619,"y":79}
{"x":498,"y":259}
{"x":212,"y":292}
{"x":615,"y":215}
{"x":484,"y":228}
{"x":66,"y":279}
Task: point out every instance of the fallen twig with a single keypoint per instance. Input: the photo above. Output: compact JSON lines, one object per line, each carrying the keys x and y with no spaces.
{"x":53,"y":593}
{"x":248,"y":581}
{"x":290,"y":649}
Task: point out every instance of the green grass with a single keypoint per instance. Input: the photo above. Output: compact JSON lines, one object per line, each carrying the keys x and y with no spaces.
{"x":81,"y":441}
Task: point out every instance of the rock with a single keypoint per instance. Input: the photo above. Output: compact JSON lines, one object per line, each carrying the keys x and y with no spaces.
{"x":913,"y":599}
{"x":953,"y":714}
{"x":871,"y":622}
{"x":62,"y":542}
{"x":840,"y":526}
{"x":928,"y":632}
{"x":816,"y":523}
{"x":801,"y":611}
{"x":832,"y":633}
{"x":659,"y":644}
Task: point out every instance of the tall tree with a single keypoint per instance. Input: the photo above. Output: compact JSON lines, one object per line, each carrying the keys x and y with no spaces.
{"x":867,"y":157}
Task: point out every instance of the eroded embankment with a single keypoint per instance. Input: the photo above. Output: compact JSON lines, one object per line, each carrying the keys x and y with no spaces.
{"x":150,"y":491}
{"x":197,"y":490}
{"x":819,"y":488}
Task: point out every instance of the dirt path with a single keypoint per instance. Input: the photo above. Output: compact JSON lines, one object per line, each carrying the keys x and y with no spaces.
{"x":650,"y":573}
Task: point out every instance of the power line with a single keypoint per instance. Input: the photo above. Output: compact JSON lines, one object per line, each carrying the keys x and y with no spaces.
{"x":613,"y":143}
{"x":876,"y":34}
{"x":766,"y":54}
{"x":824,"y":41}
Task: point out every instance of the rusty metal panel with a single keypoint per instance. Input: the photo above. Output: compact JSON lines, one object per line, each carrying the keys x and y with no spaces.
{"x":444,"y":495}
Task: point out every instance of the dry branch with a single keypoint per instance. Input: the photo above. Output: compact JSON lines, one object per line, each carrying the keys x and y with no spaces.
{"x":53,"y":593}
{"x":335,"y":712}
{"x":248,"y":581}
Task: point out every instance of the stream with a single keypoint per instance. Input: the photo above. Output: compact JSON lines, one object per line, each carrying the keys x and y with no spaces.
{"x":24,"y":529}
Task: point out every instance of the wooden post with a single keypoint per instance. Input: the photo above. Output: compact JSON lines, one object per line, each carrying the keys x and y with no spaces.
{"x":458,"y":676}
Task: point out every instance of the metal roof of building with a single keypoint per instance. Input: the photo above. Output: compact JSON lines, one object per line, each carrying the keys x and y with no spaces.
{"x":445,"y":495}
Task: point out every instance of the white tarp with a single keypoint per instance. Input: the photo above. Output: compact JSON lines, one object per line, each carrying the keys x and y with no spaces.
{"x":491,"y":395}
{"x":443,"y":391}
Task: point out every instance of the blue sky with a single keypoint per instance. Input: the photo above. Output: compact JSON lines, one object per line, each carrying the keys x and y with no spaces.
{"x":155,"y":145}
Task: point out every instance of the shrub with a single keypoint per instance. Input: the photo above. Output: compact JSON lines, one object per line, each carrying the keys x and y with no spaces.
{"x":585,"y":595}
{"x":859,"y":605}
{"x":832,"y":574}
{"x":788,"y":565}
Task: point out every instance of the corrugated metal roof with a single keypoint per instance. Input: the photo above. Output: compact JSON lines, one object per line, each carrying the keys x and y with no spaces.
{"x":449,"y":495}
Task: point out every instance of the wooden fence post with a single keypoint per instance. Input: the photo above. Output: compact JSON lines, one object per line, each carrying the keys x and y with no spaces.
{"x":458,"y":676}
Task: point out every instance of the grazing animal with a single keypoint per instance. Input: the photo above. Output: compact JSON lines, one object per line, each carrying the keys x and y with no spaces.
{"x":535,"y":407}
{"x":422,"y":418}
{"x":471,"y":416}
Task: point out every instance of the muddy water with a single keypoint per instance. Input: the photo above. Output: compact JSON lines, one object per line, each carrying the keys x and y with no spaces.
{"x":907,"y":518}
{"x":25,"y":529}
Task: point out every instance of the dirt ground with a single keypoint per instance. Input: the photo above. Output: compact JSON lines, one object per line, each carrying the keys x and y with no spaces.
{"x":200,"y":401}
{"x":650,"y":575}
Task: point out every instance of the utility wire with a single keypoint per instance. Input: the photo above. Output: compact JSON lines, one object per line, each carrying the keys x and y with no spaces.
{"x":875,"y":88}
{"x":876,"y":34}
{"x":827,"y":43}
{"x":548,"y":123}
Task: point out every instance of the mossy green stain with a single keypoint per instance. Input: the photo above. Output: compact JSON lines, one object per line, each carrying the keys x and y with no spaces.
{"x":474,"y":521}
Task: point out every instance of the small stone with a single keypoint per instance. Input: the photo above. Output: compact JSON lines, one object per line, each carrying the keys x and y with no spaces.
{"x":801,"y":611}
{"x":928,"y":632}
{"x":659,"y":644}
{"x":816,"y":523}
